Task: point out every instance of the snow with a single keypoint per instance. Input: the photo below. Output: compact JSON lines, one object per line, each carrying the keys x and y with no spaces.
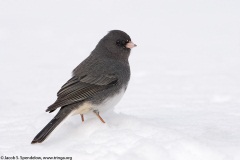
{"x":183,"y":99}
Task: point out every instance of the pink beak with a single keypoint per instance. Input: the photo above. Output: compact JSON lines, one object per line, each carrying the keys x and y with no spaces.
{"x":130,"y":45}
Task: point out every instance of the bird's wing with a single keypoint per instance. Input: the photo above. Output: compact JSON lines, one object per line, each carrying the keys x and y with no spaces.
{"x":78,"y":89}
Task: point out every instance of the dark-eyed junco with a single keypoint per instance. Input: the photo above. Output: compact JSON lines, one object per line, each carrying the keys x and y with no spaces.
{"x":97,"y":83}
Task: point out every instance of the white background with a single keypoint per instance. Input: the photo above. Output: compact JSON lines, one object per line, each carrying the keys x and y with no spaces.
{"x":183,"y":99}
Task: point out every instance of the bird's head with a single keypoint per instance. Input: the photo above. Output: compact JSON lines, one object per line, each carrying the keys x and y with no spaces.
{"x":117,"y":43}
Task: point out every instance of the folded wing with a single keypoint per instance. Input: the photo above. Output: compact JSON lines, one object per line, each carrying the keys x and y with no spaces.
{"x":80,"y":88}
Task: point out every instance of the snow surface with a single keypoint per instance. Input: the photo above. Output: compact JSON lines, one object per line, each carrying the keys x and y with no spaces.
{"x":183,"y":99}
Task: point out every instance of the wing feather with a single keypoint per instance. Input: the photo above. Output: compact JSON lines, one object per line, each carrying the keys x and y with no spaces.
{"x":78,"y":89}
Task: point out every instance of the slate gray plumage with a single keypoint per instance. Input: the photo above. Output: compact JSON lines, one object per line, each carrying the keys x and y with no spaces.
{"x":98,"y":79}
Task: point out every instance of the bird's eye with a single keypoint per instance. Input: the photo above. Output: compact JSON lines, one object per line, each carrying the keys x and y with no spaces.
{"x":122,"y":43}
{"x":118,"y":42}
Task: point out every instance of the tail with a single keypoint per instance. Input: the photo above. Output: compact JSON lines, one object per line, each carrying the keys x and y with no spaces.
{"x":47,"y":130}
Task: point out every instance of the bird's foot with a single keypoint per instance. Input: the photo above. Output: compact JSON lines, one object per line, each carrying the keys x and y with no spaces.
{"x":82,"y":117}
{"x":97,"y":113}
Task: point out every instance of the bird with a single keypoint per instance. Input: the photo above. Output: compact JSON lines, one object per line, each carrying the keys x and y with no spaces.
{"x":97,"y":83}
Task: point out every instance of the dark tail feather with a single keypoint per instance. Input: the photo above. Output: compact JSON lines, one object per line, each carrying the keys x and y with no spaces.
{"x":45,"y":132}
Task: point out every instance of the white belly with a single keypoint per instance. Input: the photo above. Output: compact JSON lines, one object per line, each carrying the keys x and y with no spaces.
{"x":107,"y":104}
